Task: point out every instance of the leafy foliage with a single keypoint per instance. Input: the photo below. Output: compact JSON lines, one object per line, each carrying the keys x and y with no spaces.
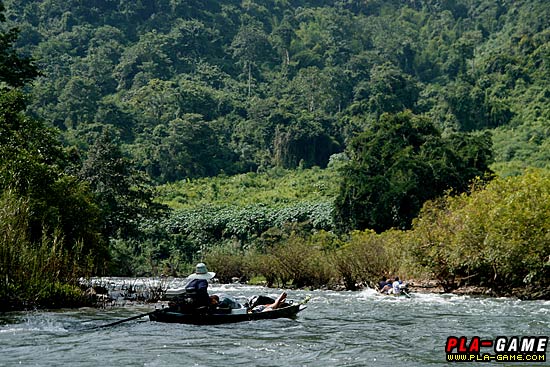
{"x":122,"y":193}
{"x":281,"y":83}
{"x":15,"y":70}
{"x":48,"y":218}
{"x":400,"y":162}
{"x":275,"y":188}
{"x":215,"y":88}
{"x":497,"y":236}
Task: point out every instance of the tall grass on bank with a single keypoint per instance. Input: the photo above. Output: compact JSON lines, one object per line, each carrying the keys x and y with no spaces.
{"x":35,"y":274}
{"x":314,"y":260}
{"x":295,"y":263}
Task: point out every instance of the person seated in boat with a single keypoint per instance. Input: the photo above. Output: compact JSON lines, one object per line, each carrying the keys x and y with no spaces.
{"x":382,"y":283}
{"x":386,"y":286}
{"x":396,"y":287}
{"x":215,"y":305}
{"x":279,"y":302}
{"x":214,"y":300}
{"x":197,"y":286}
{"x":223,"y":304}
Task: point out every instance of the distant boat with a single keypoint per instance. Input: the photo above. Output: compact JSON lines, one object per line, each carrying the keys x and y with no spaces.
{"x":404,"y":292}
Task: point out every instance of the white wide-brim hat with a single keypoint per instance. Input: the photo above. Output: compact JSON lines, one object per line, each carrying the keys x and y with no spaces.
{"x":201,"y":273}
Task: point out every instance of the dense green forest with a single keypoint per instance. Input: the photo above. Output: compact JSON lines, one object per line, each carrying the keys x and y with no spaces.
{"x":140,"y":136}
{"x":196,"y":88}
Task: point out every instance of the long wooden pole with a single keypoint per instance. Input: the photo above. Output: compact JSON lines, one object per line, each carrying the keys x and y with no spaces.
{"x":125,"y":320}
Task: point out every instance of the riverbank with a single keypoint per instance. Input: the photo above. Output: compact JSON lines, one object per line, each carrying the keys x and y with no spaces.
{"x":432,"y":286}
{"x":121,"y":292}
{"x":524,"y":293}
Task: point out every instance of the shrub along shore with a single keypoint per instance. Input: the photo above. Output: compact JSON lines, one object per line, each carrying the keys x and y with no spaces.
{"x":43,"y":275}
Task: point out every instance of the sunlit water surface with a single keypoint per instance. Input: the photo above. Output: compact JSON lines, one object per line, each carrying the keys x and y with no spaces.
{"x":336,"y":329}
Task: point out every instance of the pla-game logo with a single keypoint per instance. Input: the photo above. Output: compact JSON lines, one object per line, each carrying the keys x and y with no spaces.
{"x":501,"y":349}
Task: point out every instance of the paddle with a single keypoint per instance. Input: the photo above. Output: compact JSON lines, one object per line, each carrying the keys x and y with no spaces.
{"x":125,"y":320}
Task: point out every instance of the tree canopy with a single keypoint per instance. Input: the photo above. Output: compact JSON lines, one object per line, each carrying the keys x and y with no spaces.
{"x":283,"y":83}
{"x":400,"y":162}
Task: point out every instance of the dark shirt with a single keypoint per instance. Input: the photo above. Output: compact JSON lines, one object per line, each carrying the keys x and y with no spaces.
{"x":198,"y":290}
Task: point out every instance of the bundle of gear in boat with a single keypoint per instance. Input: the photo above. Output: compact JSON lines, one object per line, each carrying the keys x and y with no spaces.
{"x":194,"y":299}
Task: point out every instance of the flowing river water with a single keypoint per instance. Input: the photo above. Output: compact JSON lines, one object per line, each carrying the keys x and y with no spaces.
{"x":336,"y":329}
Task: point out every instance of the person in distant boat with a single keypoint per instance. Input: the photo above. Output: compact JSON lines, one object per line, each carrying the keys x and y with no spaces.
{"x":386,"y":286}
{"x":197,"y":287}
{"x":395,"y":287}
{"x":382,"y":283}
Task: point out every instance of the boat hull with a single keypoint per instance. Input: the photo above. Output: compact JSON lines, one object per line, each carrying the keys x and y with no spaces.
{"x":166,"y":315}
{"x":400,"y":295}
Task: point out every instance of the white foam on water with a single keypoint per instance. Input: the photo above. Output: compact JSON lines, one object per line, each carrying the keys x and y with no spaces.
{"x":445,"y":298}
{"x":17,"y":329}
{"x":368,"y":293}
{"x":239,"y":288}
{"x":542,"y":311}
{"x":35,"y":325}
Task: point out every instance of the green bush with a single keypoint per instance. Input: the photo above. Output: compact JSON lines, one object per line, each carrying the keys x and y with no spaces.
{"x":498,"y":236}
{"x":228,"y":262}
{"x":363,"y":259}
{"x":43,"y":274}
{"x":263,"y":265}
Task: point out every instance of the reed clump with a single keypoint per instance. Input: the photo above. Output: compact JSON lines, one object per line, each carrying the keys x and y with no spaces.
{"x":35,"y":274}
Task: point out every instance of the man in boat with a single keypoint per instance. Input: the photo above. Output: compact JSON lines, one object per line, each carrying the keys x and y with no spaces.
{"x":397,"y":287}
{"x":223,"y":304}
{"x":198,"y":285}
{"x":278,"y":302}
{"x":196,"y":291}
{"x":386,"y":286}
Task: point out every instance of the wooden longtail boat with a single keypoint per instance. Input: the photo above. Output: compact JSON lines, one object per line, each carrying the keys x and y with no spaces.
{"x":168,"y":315}
{"x":213,"y":317}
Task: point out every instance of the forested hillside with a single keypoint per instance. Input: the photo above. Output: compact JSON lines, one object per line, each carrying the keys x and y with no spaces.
{"x":195,"y":88}
{"x":304,"y":142}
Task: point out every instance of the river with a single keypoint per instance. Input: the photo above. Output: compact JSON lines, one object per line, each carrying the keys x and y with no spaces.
{"x":336,"y":329}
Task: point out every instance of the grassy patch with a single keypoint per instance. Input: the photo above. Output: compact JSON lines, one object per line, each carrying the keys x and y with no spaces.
{"x":276,"y":188}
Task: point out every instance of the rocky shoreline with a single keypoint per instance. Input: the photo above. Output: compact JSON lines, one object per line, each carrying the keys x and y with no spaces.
{"x":106,"y":294}
{"x":435,"y":287}
{"x":525,"y":293}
